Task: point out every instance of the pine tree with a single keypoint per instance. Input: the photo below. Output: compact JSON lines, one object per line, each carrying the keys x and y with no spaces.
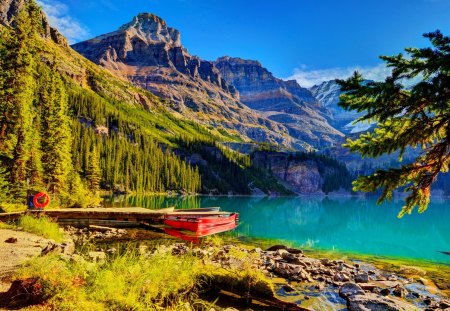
{"x":17,"y":84}
{"x":93,"y":174}
{"x":4,"y":184}
{"x":417,"y":117}
{"x":55,"y":133}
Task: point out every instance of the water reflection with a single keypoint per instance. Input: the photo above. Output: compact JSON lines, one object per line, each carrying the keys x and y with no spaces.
{"x":346,"y":224}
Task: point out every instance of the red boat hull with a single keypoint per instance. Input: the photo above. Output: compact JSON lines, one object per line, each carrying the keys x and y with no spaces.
{"x":200,"y":223}
{"x":194,"y":236}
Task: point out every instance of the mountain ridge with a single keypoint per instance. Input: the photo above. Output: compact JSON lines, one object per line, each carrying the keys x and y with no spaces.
{"x":150,"y":55}
{"x":282,"y":101}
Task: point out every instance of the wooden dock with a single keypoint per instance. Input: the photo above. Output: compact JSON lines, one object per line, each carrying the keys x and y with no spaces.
{"x":113,"y":217}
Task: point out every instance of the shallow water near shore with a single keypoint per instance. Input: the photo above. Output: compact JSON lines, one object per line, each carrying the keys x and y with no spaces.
{"x":343,"y":224}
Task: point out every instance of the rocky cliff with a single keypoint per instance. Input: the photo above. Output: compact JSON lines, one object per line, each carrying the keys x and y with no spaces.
{"x":282,"y":101}
{"x":149,"y":54}
{"x":304,"y":173}
{"x":9,"y":9}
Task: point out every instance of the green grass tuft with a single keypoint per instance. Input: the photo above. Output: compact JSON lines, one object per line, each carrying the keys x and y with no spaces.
{"x":42,"y":226}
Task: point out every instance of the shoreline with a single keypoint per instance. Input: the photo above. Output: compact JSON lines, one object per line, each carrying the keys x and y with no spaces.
{"x":275,"y":262}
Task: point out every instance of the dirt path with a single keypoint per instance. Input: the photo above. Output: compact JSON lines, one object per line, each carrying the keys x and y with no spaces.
{"x":12,"y":255}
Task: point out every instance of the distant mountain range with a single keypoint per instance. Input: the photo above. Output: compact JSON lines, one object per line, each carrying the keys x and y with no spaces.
{"x":237,"y":95}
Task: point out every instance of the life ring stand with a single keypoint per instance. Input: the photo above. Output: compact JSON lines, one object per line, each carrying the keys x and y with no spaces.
{"x":36,"y":198}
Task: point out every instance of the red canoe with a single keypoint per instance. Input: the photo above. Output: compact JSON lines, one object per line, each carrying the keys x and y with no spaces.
{"x":194,"y":236}
{"x":198,"y":223}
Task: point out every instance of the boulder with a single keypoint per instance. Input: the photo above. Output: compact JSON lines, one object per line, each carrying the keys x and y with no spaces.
{"x":400,"y":291}
{"x":362,"y":277}
{"x":375,"y":302}
{"x":288,"y":288}
{"x":276,"y":247}
{"x":291,"y":258}
{"x":341,"y":277}
{"x":350,"y":289}
{"x":295,"y":251}
{"x":444,"y":305}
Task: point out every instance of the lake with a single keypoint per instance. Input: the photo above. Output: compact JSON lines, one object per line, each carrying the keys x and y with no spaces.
{"x":344,"y":224}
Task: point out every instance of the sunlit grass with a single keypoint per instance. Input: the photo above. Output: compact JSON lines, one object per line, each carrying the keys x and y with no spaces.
{"x":134,"y":281}
{"x":42,"y":226}
{"x":125,"y":282}
{"x":6,"y":226}
{"x":6,"y":207}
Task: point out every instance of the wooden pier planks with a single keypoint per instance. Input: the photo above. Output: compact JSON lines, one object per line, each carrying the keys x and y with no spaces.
{"x":113,"y":216}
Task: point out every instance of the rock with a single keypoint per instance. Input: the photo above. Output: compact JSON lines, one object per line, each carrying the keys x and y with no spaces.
{"x":67,"y":247}
{"x":51,"y":247}
{"x":327,"y":263}
{"x":180,"y":249}
{"x":276,"y":247}
{"x":362,"y":277}
{"x":11,"y":240}
{"x":291,"y":258}
{"x":295,"y":251}
{"x":281,"y":252}
{"x":319,"y":286}
{"x":390,"y":284}
{"x":428,"y":301}
{"x":399,"y":291}
{"x":350,"y":289}
{"x":111,"y":250}
{"x":288,"y":288}
{"x":97,"y":256}
{"x":375,"y":302}
{"x":341,"y":277}
{"x":444,"y":304}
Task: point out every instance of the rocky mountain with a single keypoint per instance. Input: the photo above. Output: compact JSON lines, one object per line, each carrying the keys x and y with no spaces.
{"x":149,"y":53}
{"x":9,"y":9}
{"x":327,"y":93}
{"x":282,"y":101}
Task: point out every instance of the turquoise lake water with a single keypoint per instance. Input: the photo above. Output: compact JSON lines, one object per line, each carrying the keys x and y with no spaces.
{"x":342,"y":224}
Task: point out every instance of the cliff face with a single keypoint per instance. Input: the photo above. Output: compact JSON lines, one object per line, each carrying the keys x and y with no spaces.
{"x":9,"y":9}
{"x":149,"y":54}
{"x":282,"y":101}
{"x":304,"y":173}
{"x":301,"y":177}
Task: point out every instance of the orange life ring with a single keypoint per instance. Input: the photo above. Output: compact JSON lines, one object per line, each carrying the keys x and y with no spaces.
{"x":36,"y":198}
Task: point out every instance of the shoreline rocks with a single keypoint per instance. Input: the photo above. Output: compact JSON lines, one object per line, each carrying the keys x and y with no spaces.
{"x":358,"y":285}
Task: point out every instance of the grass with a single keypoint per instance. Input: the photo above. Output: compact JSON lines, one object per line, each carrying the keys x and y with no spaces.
{"x":134,"y":281}
{"x":125,"y":282}
{"x":4,"y":225}
{"x":6,"y":207}
{"x":42,"y":226}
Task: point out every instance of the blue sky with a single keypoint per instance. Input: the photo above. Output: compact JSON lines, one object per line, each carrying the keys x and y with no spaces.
{"x":311,"y":41}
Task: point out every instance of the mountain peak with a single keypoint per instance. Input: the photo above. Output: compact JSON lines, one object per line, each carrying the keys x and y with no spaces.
{"x":152,"y":29}
{"x":239,"y":61}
